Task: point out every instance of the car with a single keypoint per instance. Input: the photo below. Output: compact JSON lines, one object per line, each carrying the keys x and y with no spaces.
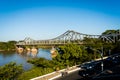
{"x":83,"y":73}
{"x":87,"y":66}
{"x":87,"y":73}
{"x":116,"y":60}
{"x":92,"y":65}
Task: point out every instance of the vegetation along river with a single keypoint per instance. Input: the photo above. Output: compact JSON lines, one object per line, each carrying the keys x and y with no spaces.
{"x":21,"y":58}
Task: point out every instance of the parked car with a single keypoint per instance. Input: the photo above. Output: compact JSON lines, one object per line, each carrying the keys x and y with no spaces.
{"x":87,"y":66}
{"x":87,"y":73}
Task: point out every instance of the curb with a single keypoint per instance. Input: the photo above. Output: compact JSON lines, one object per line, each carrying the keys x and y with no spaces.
{"x":55,"y":77}
{"x":61,"y":74}
{"x":42,"y":76}
{"x":54,"y":73}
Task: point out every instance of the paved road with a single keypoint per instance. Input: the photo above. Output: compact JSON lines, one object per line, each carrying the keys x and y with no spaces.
{"x":112,"y":73}
{"x":71,"y":76}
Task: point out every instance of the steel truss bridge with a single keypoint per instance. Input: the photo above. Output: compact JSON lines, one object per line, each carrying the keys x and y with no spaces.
{"x":69,"y":36}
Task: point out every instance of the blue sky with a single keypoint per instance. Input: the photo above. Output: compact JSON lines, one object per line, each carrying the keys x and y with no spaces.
{"x":46,"y":19}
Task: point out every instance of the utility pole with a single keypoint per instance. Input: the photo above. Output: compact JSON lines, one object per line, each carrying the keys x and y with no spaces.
{"x":101,"y":52}
{"x":109,"y":52}
{"x":102,"y":65}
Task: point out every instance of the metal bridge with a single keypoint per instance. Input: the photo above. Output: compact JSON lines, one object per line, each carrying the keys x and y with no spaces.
{"x":70,"y":36}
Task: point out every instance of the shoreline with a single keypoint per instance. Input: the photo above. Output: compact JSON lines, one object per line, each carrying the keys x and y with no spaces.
{"x":7,"y":50}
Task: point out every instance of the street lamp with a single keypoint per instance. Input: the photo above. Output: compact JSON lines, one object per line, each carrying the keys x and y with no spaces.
{"x":109,"y":52}
{"x":102,"y":60}
{"x":101,"y":53}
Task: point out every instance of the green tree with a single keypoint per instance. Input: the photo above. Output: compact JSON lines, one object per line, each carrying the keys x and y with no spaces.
{"x":10,"y":71}
{"x":7,"y":46}
{"x":110,"y":32}
{"x":72,"y":54}
{"x":114,"y":47}
{"x":34,"y":72}
{"x":41,"y":62}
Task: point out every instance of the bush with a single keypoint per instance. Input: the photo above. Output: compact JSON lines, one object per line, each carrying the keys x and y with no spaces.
{"x":10,"y":71}
{"x":34,"y":72}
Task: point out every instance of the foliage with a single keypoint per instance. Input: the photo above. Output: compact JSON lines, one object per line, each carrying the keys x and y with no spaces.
{"x":113,"y":47}
{"x":116,"y":48}
{"x":10,"y":71}
{"x":110,"y":32}
{"x":34,"y":72}
{"x":72,"y":54}
{"x":6,"y":46}
{"x":41,"y":62}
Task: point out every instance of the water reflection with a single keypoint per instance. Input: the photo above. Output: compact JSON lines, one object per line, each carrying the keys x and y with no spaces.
{"x":28,"y":52}
{"x":21,"y":58}
{"x":32,"y":54}
{"x":45,"y":53}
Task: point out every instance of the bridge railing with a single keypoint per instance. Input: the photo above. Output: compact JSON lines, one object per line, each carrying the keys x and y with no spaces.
{"x":70,"y":37}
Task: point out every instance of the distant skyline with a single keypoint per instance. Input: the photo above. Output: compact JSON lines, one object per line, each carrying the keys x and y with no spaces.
{"x":47,"y":19}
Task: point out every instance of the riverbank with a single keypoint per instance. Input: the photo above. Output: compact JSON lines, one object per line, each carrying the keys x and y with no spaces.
{"x":7,"y":50}
{"x":13,"y":56}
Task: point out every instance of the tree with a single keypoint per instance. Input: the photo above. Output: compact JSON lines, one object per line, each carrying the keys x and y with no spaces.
{"x":6,"y":46}
{"x":114,"y":47}
{"x":72,"y":54}
{"x":110,"y":32}
{"x":41,"y":62}
{"x":10,"y":71}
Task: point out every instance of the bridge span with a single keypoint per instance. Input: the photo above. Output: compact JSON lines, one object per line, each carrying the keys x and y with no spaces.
{"x":69,"y":36}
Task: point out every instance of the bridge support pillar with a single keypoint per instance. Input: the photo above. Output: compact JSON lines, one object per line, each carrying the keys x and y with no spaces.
{"x":53,"y":52}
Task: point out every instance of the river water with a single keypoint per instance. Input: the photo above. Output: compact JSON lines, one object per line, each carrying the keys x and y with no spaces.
{"x":21,"y":58}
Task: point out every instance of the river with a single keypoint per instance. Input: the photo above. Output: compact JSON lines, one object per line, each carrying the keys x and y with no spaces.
{"x":6,"y":57}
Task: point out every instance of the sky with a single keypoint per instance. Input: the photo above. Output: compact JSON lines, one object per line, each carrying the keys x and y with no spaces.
{"x":47,"y":19}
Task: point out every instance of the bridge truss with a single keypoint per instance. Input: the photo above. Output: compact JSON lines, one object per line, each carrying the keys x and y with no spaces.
{"x":69,"y":36}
